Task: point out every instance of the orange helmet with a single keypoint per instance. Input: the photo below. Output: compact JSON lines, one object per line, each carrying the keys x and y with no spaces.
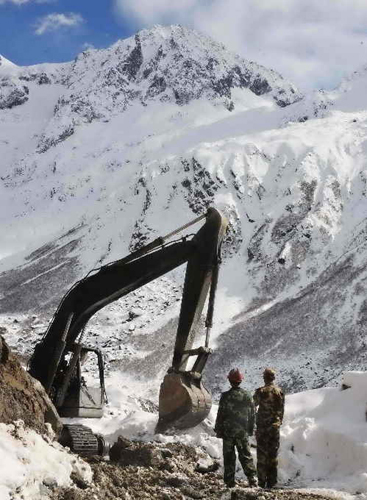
{"x":235,"y":376}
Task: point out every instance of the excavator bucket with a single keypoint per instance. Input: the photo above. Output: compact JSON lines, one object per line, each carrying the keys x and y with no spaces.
{"x":183,"y":402}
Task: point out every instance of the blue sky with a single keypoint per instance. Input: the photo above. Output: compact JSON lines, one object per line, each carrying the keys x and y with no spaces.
{"x":91,"y":22}
{"x":313,"y":43}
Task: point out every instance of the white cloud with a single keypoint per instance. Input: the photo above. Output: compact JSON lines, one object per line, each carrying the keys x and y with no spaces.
{"x":21,"y":2}
{"x":88,"y":46}
{"x":151,"y":11}
{"x":16,"y":2}
{"x":312,"y":43}
{"x":53,"y":22}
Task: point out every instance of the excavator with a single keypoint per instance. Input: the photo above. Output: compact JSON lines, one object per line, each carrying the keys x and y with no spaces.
{"x":57,"y":361}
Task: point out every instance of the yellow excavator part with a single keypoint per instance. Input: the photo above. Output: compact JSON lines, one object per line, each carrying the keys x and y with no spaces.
{"x":183,"y":402}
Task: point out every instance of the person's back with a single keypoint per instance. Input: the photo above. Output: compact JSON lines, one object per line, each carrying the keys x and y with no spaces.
{"x":269,"y":400}
{"x":235,"y":422}
{"x":236,"y":414}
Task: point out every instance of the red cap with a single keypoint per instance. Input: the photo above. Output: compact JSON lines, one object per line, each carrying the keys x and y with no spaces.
{"x":235,"y":376}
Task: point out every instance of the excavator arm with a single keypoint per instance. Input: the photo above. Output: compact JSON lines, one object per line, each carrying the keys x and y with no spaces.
{"x":56,"y":357}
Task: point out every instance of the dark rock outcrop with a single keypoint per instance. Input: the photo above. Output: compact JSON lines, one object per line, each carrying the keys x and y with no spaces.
{"x":12,"y":93}
{"x":22,"y":397}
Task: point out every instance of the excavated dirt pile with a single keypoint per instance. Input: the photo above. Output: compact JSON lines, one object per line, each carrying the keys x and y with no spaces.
{"x":22,"y":397}
{"x":171,"y":471}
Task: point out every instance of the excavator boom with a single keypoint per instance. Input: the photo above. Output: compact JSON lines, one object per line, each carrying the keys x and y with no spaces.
{"x":183,"y":400}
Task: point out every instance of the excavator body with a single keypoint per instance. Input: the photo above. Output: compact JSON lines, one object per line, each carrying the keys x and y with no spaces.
{"x":57,"y":360}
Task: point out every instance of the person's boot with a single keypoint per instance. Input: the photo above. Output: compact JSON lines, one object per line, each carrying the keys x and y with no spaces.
{"x":271,"y":485}
{"x":252,"y":482}
{"x":261,"y":482}
{"x":271,"y":481}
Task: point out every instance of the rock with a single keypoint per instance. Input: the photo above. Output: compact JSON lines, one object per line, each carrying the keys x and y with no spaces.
{"x":79,"y":481}
{"x":177,"y":480}
{"x":127,"y":452}
{"x":22,"y":397}
{"x":135,"y":313}
{"x":147,"y":405}
{"x":205,"y":466}
{"x":12,"y":93}
{"x":116,"y":449}
{"x":190,"y":492}
{"x":50,"y":482}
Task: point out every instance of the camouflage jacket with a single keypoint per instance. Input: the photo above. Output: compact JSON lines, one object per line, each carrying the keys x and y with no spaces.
{"x":236,"y":413}
{"x":270,"y":402}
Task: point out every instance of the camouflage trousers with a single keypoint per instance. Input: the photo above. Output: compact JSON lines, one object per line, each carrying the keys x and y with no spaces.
{"x":267,"y":455}
{"x":244,"y":454}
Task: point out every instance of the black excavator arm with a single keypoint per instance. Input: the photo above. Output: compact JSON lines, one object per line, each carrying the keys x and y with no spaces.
{"x":57,"y":357}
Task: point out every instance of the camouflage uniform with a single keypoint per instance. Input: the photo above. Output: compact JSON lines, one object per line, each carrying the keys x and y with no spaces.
{"x":235,"y":422}
{"x":269,"y":417}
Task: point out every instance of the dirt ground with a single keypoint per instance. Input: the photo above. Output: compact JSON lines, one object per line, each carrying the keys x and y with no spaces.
{"x":167,"y":472}
{"x":22,"y":397}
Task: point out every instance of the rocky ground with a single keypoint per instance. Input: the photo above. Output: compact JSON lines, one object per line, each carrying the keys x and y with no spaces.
{"x":171,"y":471}
{"x":22,"y":397}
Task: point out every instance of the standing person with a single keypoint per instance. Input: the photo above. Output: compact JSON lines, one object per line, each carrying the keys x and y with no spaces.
{"x":235,"y":422}
{"x":269,"y":401}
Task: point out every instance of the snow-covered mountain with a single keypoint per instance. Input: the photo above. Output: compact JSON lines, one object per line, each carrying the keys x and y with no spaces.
{"x":124,"y":144}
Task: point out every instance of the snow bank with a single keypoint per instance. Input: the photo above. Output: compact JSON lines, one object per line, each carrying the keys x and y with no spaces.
{"x":324,"y":437}
{"x":31,"y":466}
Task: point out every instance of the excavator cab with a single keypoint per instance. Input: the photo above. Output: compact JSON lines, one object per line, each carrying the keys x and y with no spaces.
{"x":57,"y":359}
{"x":74,"y":398}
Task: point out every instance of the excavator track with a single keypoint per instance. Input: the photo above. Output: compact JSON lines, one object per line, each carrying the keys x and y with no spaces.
{"x":81,"y":440}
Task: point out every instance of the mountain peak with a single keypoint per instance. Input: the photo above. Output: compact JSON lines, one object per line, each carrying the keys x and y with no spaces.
{"x":5,"y":63}
{"x":204,"y":66}
{"x":171,"y":64}
{"x":164,"y":64}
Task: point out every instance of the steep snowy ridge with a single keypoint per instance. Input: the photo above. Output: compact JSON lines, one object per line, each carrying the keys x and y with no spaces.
{"x":349,"y":96}
{"x":172,"y":64}
{"x":5,"y":63}
{"x":128,"y":143}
